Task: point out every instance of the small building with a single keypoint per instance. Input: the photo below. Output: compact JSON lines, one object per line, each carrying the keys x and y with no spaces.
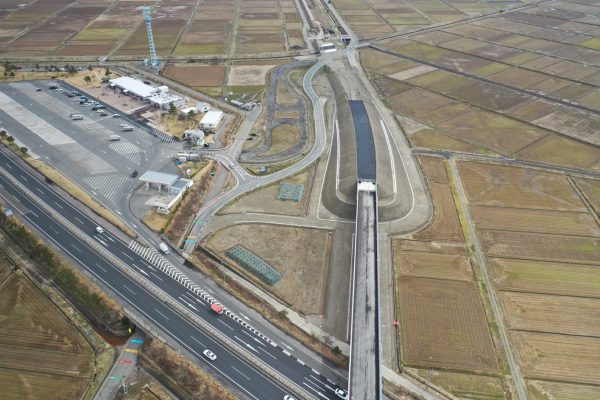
{"x":163,"y":100}
{"x":211,"y":120}
{"x":196,"y":136}
{"x":175,"y":185}
{"x":327,"y":48}
{"x":185,"y":112}
{"x":203,"y":107}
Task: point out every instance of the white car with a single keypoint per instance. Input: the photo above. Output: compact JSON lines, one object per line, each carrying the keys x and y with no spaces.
{"x":341,"y":394}
{"x":210,"y":355}
{"x":288,"y":397}
{"x":99,"y":229}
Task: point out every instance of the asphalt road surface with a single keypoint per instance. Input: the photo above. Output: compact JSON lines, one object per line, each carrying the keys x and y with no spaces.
{"x":229,"y":366}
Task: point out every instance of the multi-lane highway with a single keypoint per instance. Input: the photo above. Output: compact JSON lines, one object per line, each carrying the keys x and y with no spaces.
{"x":23,"y":192}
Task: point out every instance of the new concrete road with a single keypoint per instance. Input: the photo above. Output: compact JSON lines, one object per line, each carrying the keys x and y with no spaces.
{"x":246,"y":185}
{"x":365,"y":367}
{"x":139,"y":296}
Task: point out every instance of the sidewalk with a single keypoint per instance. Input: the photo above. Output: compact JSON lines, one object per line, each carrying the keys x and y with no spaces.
{"x":122,"y":369}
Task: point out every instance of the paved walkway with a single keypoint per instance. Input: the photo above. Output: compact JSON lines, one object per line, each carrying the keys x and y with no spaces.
{"x":122,"y":369}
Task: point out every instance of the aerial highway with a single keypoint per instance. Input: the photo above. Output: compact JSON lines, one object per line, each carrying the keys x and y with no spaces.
{"x":167,"y":320}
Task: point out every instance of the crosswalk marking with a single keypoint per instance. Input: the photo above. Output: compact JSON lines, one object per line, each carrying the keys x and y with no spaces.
{"x":107,"y":185}
{"x":128,"y":150}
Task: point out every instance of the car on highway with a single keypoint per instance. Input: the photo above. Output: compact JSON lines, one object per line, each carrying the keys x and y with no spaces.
{"x":134,"y":173}
{"x":341,"y":393}
{"x":288,"y":397}
{"x":210,"y":355}
{"x":38,"y":90}
{"x":99,"y":229}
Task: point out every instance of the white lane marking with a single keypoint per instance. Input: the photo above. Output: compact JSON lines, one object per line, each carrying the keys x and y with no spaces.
{"x":287,"y":353}
{"x":111,"y":239}
{"x":40,"y":190}
{"x":253,"y":338}
{"x":225,"y":324}
{"x":315,"y":390}
{"x":8,"y":165}
{"x":139,"y":269}
{"x":266,"y":352}
{"x":58,"y":205}
{"x":247,"y":344}
{"x":126,"y":255}
{"x":156,"y":276}
{"x":243,"y":316}
{"x":128,"y":289}
{"x":240,"y":372}
{"x":338,"y":155}
{"x":164,"y":316}
{"x":288,"y":346}
{"x":76,"y":248}
{"x":300,"y":361}
{"x":315,"y":372}
{"x":99,"y":266}
{"x":196,"y":340}
{"x":80,"y":221}
{"x":24,"y":177}
{"x":101,"y":241}
{"x":31,"y":212}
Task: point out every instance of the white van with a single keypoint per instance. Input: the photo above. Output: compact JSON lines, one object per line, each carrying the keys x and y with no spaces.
{"x":164,"y":248}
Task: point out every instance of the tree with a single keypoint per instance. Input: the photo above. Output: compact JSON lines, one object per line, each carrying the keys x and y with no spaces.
{"x":107,"y":72}
{"x":87,"y":79}
{"x":3,"y":133}
{"x":191,"y":113}
{"x":72,"y":69}
{"x":90,"y":68}
{"x":23,"y":150}
{"x":37,"y":66}
{"x":172,"y":109}
{"x":336,"y":350}
{"x":10,"y":139}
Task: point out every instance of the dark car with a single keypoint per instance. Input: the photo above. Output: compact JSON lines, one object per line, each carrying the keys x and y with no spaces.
{"x":134,"y":173}
{"x":103,"y":114}
{"x":38,"y":90}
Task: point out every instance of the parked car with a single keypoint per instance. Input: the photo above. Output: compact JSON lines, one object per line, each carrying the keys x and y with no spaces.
{"x":134,"y":173}
{"x":341,"y":393}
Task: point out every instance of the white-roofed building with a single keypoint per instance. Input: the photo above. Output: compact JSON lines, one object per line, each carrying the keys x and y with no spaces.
{"x":135,"y":87}
{"x":175,"y":185}
{"x":211,"y":120}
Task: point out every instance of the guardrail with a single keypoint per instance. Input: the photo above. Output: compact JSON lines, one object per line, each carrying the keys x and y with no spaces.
{"x":160,"y":294}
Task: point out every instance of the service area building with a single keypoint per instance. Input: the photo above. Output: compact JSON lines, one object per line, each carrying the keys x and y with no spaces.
{"x":175,"y":185}
{"x":158,"y":96}
{"x":211,"y":120}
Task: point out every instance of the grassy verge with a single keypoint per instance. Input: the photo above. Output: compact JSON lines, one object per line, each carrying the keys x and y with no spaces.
{"x":96,"y":305}
{"x":180,"y":375}
{"x":147,"y":389}
{"x":70,"y":187}
{"x":201,"y":261}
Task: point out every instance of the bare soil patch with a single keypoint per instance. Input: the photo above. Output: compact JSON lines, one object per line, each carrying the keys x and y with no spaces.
{"x":544,"y":390}
{"x":284,"y":96}
{"x":301,"y":255}
{"x":433,"y":265}
{"x":248,"y":75}
{"x":431,"y":247}
{"x":283,"y":137}
{"x":465,"y":386}
{"x":196,"y":75}
{"x":433,"y":139}
{"x":265,"y":200}
{"x":444,"y":325}
{"x":591,"y":190}
{"x":434,"y":169}
{"x":558,"y":150}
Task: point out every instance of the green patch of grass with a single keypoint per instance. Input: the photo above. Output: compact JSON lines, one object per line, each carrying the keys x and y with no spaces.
{"x":491,"y":69}
{"x":521,"y":58}
{"x":592,"y":43}
{"x":212,"y":91}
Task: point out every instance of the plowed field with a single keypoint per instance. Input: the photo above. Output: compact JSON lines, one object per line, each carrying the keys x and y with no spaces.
{"x":434,"y":169}
{"x":558,"y":357}
{"x":544,"y":390}
{"x":546,"y":277}
{"x":445,"y":225}
{"x":433,"y":265}
{"x":444,"y":325}
{"x":553,"y":314}
{"x":530,"y":220}
{"x":504,"y":186}
{"x":535,"y":246}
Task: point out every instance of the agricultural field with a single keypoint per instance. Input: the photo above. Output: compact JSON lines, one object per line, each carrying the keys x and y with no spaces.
{"x":521,"y":84}
{"x":182,"y":28}
{"x":301,"y":255}
{"x":41,"y":354}
{"x":376,"y":18}
{"x":542,"y":247}
{"x":440,"y":308}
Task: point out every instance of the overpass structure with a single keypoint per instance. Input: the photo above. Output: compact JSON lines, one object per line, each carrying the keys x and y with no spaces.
{"x":365,"y":341}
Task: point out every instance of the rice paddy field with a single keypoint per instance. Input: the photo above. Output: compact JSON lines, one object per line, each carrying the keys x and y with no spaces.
{"x":521,"y":84}
{"x":539,"y":233}
{"x":42,"y":356}
{"x":182,"y":28}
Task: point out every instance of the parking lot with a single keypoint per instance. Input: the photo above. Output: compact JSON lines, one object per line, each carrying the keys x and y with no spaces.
{"x":76,"y":140}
